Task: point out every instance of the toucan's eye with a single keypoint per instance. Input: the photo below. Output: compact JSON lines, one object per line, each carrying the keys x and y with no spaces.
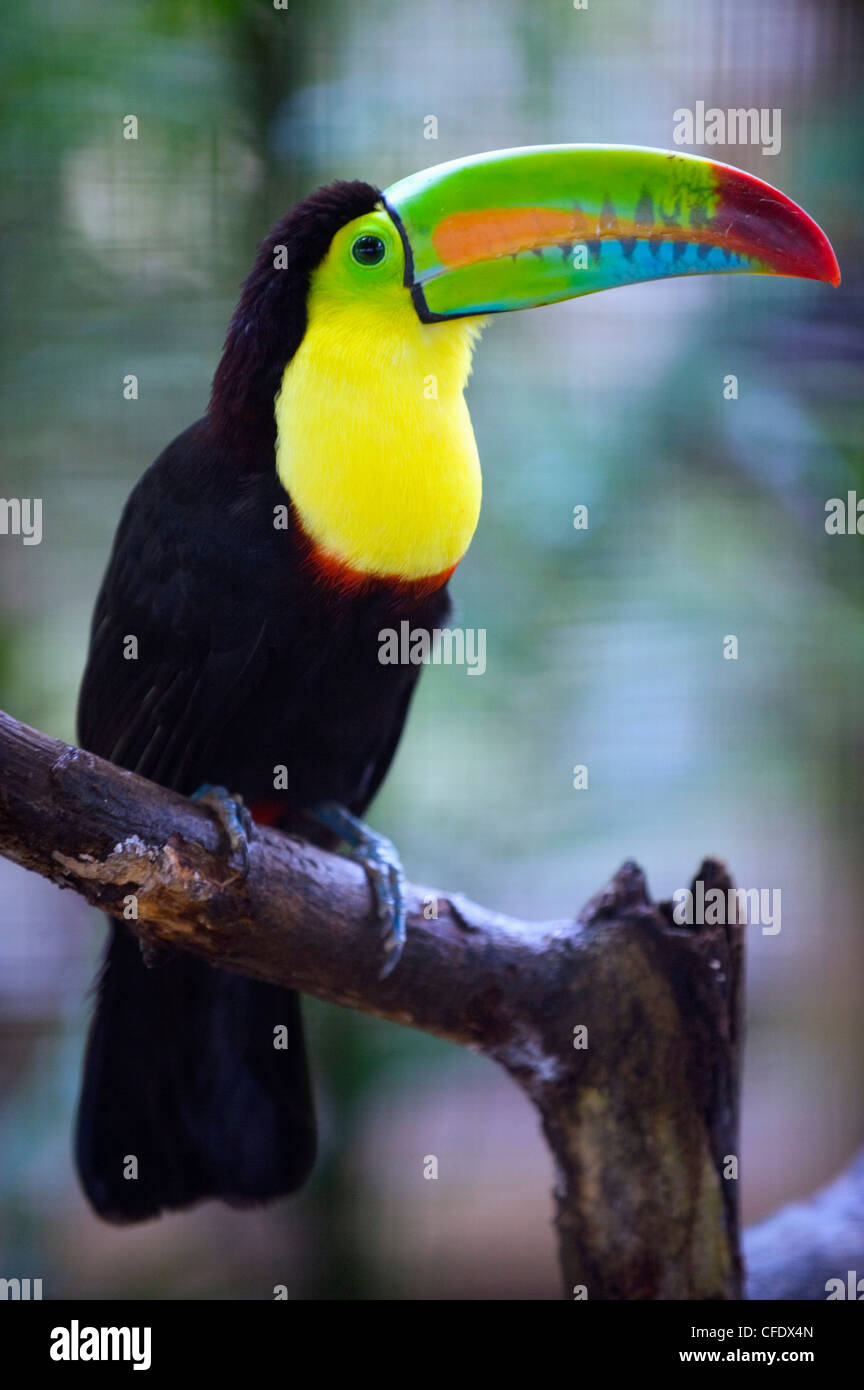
{"x":368,"y":250}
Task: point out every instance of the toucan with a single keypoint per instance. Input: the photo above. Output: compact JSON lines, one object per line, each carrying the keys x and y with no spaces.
{"x":329,"y":492}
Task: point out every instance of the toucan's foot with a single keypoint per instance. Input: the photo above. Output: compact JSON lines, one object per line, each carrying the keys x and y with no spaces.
{"x":380,"y":859}
{"x":234,"y":819}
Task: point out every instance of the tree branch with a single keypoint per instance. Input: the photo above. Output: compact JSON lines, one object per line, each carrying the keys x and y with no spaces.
{"x":641,"y":1120}
{"x":794,"y":1254}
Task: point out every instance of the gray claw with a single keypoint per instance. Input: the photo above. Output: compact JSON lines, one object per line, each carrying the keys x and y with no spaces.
{"x":234,"y":819}
{"x":388,"y":888}
{"x":383,"y":869}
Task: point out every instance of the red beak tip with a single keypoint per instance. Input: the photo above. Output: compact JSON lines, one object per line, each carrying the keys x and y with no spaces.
{"x":829,"y":270}
{"x":826,"y":268}
{"x":788,"y":238}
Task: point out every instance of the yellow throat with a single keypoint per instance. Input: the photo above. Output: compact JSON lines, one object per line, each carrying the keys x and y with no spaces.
{"x":374,"y":441}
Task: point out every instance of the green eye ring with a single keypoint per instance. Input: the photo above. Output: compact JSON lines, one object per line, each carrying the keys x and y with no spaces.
{"x":368,"y":249}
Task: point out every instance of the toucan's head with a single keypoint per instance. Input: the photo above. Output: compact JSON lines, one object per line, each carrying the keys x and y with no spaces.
{"x":352,"y":341}
{"x":513,"y":229}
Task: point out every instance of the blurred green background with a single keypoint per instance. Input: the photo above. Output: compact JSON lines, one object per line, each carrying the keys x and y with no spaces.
{"x":706,"y":518}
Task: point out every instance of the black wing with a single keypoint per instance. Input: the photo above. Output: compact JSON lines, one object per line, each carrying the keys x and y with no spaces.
{"x":179,"y":637}
{"x":182,"y":1070}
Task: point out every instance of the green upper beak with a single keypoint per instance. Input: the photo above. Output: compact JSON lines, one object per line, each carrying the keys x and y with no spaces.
{"x":518,"y":228}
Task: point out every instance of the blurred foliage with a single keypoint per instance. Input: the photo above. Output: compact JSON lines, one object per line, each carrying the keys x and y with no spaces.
{"x":706,"y":517}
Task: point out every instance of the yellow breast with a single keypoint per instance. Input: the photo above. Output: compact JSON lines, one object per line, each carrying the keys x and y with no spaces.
{"x":374,"y":440}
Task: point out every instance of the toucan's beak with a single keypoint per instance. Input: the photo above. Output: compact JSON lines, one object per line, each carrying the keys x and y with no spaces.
{"x":518,"y":228}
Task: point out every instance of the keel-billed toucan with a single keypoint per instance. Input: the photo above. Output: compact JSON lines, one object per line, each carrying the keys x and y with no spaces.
{"x":326,"y":494}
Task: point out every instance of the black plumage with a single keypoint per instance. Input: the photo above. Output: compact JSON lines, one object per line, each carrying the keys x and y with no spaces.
{"x":245,"y":662}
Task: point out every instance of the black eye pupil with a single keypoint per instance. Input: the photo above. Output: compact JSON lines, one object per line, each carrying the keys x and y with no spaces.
{"x":368,"y":250}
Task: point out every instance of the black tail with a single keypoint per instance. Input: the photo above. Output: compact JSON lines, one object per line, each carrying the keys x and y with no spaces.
{"x":195,"y":1085}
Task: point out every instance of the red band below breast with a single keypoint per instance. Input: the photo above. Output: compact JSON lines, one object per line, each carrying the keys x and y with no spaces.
{"x":338,"y":575}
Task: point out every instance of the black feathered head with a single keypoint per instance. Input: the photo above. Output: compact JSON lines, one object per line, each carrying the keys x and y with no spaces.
{"x":269,"y":322}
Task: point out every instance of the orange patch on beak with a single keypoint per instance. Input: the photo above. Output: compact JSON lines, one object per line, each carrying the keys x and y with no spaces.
{"x":464,"y":238}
